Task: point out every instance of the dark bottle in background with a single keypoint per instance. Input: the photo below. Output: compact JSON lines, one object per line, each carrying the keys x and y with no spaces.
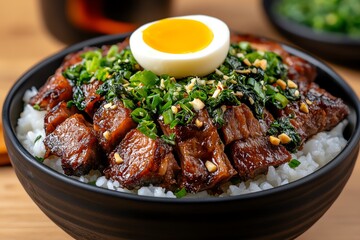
{"x":72,"y":21}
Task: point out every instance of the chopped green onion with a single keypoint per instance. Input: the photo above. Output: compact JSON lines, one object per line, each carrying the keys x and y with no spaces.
{"x":281,"y":99}
{"x":169,"y":139}
{"x":145,"y":77}
{"x":168,"y":116}
{"x":148,"y":128}
{"x":179,"y":193}
{"x":37,"y":138}
{"x":37,"y":107}
{"x":294,"y":163}
{"x":140,"y":114}
{"x":39,"y":159}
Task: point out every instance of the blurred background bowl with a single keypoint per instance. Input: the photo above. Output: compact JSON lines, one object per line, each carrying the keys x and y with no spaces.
{"x":88,"y":212}
{"x":338,"y":48}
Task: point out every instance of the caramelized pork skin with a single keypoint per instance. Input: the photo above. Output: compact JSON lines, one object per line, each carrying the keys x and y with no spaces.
{"x":57,"y":115}
{"x":139,"y":160}
{"x":56,"y":89}
{"x":75,"y":142}
{"x":204,"y":165}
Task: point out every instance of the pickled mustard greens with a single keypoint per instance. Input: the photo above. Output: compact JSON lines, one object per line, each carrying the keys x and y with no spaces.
{"x":246,"y":76}
{"x":337,"y":16}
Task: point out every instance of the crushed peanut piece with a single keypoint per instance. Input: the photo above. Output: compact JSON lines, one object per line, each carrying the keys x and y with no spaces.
{"x":108,"y":105}
{"x":118,"y":159}
{"x":296,"y":93}
{"x":244,"y":71}
{"x":210,"y":82}
{"x":260,"y":63}
{"x":281,"y":84}
{"x":191,"y":85}
{"x":199,"y":123}
{"x":284,"y":139}
{"x":304,"y":108}
{"x":247,"y":62}
{"x":106,"y":135}
{"x":113,"y":107}
{"x":233,"y":81}
{"x":211,"y":167}
{"x":291,"y":84}
{"x":240,"y":55}
{"x":308,"y":101}
{"x":239,"y":94}
{"x":218,"y":72}
{"x":251,"y":100}
{"x":274,"y":140}
{"x":162,"y":84}
{"x":197,"y":104}
{"x":223,"y":108}
{"x":174,"y":109}
{"x":216,"y":93}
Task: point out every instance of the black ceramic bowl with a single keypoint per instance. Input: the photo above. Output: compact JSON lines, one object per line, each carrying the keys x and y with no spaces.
{"x":89,"y":212}
{"x":338,"y":48}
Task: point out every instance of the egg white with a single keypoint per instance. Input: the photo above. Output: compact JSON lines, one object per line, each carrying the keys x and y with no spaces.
{"x":198,"y":63}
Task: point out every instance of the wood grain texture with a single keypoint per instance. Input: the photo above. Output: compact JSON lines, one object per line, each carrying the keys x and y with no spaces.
{"x":25,"y":42}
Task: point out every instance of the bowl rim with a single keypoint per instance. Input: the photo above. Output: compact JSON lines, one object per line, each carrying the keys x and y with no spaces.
{"x":352,"y":143}
{"x":303,"y":31}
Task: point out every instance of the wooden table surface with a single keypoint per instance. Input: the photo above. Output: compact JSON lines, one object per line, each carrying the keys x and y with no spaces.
{"x":25,"y":41}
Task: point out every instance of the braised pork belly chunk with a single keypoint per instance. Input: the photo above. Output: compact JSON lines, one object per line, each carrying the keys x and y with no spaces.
{"x":240,"y":123}
{"x":75,"y":142}
{"x":139,"y":160}
{"x":249,"y":147}
{"x":57,"y":115}
{"x":201,"y":152}
{"x":56,"y":89}
{"x":112,"y":121}
{"x":105,"y":112}
{"x":316,"y":111}
{"x":91,"y":98}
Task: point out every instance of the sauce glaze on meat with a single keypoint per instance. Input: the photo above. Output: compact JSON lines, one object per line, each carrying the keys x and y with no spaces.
{"x":202,"y":154}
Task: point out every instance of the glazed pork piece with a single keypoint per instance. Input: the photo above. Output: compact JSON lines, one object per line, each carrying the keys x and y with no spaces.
{"x":204,"y":165}
{"x":91,"y":98}
{"x":316,"y":111}
{"x":249,"y":147}
{"x":56,"y":89}
{"x":57,"y":115}
{"x":139,"y":160}
{"x":75,"y":142}
{"x":112,"y":121}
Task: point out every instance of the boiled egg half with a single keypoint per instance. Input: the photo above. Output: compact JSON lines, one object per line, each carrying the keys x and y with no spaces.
{"x":183,"y":46}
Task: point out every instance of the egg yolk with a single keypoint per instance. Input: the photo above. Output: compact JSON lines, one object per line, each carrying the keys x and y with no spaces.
{"x":178,"y":36}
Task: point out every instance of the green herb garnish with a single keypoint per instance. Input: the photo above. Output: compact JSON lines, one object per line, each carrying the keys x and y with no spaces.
{"x":294,"y":163}
{"x":151,"y":97}
{"x":37,"y":107}
{"x":37,"y":138}
{"x":179,"y":193}
{"x":169,"y":139}
{"x":283,"y":125}
{"x":39,"y":159}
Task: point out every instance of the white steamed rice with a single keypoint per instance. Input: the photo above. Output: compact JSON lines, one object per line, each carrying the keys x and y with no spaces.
{"x":317,"y":151}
